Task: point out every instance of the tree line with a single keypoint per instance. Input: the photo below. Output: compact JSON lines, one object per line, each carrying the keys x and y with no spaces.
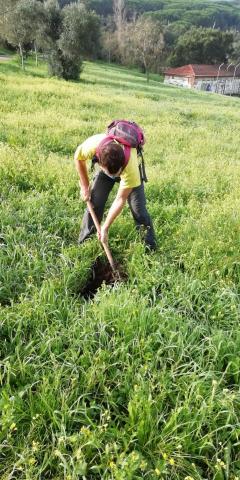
{"x":63,"y":35}
{"x":66,"y":32}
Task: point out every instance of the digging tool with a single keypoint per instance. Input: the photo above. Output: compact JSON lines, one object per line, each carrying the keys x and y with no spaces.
{"x":105,"y":246}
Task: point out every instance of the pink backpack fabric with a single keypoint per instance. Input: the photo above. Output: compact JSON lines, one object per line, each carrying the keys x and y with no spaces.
{"x":129,"y":134}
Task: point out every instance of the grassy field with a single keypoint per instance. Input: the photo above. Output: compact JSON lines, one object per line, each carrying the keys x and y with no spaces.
{"x":141,"y":382}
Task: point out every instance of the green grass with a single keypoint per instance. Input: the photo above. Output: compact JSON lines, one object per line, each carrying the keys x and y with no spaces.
{"x":5,"y":51}
{"x":142,"y":381}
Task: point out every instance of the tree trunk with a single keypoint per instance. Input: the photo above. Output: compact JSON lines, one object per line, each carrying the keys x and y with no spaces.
{"x":36,"y":53}
{"x":119,"y":14}
{"x":145,"y":63}
{"x":21,"y":55}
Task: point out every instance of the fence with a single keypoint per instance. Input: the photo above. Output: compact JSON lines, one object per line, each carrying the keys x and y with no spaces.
{"x":223,"y":87}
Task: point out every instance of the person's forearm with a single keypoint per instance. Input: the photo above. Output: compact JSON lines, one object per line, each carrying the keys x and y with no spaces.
{"x":114,"y":211}
{"x":83,"y":179}
{"x":82,"y":171}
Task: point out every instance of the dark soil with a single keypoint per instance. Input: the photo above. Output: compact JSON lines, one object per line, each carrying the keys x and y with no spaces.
{"x":101,"y":272}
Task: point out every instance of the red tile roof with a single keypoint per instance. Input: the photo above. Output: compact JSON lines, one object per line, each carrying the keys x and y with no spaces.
{"x":194,"y":70}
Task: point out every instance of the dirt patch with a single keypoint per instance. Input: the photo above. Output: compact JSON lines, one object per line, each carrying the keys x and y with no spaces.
{"x":101,"y":273}
{"x":4,"y":58}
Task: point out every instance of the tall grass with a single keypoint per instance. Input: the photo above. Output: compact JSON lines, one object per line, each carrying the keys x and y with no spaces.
{"x":143,"y":380}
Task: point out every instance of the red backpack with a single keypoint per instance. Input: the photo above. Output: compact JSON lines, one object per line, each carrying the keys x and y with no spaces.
{"x":130,"y":135}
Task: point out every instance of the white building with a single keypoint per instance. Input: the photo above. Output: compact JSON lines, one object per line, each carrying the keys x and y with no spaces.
{"x":212,"y":78}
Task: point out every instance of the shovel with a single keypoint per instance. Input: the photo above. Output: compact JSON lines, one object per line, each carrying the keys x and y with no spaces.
{"x":104,"y":244}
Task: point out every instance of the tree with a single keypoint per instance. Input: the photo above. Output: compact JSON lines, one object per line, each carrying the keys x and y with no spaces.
{"x":235,"y":57}
{"x":21,"y":24}
{"x":109,"y":41}
{"x":70,"y":34}
{"x":3,"y":15}
{"x":36,"y":15}
{"x":80,"y":31}
{"x":144,"y":43}
{"x":79,"y":37}
{"x":119,"y":15}
{"x":49,"y":35}
{"x":202,"y":45}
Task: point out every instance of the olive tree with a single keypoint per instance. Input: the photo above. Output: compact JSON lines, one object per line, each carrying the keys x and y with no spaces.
{"x":70,"y":35}
{"x":21,"y":24}
{"x":80,"y":31}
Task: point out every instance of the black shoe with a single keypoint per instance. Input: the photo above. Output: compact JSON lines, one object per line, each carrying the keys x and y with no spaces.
{"x":83,"y":240}
{"x":150,"y":247}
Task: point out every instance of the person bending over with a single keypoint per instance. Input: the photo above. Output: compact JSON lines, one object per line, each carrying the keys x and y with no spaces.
{"x":112,"y":169}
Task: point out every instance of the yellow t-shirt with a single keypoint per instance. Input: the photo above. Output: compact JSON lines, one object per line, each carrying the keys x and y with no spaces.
{"x":130,"y":177}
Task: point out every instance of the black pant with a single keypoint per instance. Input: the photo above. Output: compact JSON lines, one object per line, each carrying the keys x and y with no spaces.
{"x":101,"y":189}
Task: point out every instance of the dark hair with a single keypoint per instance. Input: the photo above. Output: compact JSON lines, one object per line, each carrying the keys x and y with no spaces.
{"x":112,"y":157}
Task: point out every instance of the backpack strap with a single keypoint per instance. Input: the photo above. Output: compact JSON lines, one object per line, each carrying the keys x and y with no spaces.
{"x":142,"y":170}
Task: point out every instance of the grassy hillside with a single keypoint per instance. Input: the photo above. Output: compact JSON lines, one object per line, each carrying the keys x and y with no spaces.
{"x":142,"y":382}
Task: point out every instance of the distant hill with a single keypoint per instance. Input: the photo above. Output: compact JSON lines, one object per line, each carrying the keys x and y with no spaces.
{"x":218,"y":14}
{"x":223,"y":14}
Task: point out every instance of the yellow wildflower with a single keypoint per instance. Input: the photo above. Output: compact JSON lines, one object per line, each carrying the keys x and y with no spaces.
{"x":85,"y":431}
{"x":13,"y":427}
{"x":134,"y":456}
{"x":57,"y":453}
{"x":172,"y":461}
{"x":35,"y":446}
{"x":143,"y":465}
{"x":220,"y":463}
{"x":78,"y":454}
{"x":157,"y":471}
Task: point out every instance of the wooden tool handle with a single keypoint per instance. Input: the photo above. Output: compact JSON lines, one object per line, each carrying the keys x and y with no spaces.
{"x":109,"y":255}
{"x":97,"y":225}
{"x":94,"y":216}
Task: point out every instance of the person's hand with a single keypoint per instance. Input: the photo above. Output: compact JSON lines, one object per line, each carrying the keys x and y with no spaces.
{"x":85,"y":193}
{"x":103,"y":234}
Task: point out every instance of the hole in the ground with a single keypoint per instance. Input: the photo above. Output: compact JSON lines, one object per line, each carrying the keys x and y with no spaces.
{"x":101,"y":272}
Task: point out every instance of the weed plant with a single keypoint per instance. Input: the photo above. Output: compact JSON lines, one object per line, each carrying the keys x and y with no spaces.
{"x":141,"y":382}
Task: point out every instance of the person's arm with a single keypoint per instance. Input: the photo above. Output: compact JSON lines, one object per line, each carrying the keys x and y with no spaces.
{"x":114,"y":211}
{"x":83,"y":177}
